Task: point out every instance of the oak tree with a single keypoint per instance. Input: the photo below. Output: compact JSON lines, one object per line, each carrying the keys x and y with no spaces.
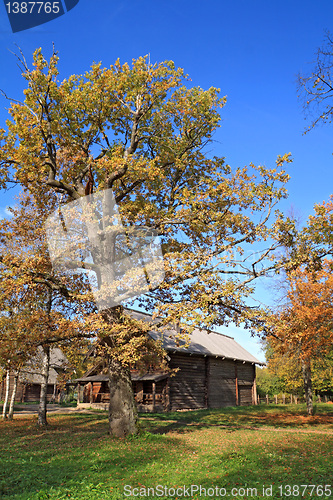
{"x":143,"y":132}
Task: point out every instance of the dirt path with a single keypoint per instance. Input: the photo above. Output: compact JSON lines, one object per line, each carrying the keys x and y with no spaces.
{"x":24,"y":410}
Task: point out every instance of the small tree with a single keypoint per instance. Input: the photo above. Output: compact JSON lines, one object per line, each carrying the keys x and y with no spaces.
{"x":15,"y":346}
{"x":267,"y":382}
{"x":284,"y":373}
{"x":303,"y":329}
{"x":34,"y":311}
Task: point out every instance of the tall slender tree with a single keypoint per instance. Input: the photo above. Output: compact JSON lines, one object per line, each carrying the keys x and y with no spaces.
{"x":303,"y":329}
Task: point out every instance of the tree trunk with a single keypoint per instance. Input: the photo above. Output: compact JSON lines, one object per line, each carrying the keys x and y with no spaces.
{"x":5,"y":403}
{"x":306,"y":371}
{"x":12,"y":399}
{"x":123,"y":414}
{"x":43,"y":387}
{"x":104,"y":251}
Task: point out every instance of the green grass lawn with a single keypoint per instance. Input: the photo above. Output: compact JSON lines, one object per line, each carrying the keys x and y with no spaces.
{"x":246,"y":448}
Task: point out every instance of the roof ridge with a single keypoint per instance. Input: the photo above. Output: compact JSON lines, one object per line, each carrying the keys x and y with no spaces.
{"x":205,"y":330}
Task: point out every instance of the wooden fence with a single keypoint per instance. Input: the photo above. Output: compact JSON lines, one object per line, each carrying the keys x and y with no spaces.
{"x":290,"y":399}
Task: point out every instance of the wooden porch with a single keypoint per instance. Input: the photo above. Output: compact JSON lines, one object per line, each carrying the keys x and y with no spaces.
{"x":150,"y":391}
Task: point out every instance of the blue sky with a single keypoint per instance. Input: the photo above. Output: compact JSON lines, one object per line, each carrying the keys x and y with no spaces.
{"x":252,"y":51}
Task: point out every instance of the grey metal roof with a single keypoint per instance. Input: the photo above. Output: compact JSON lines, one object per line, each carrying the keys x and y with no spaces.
{"x":156,"y":377}
{"x":202,"y":342}
{"x":31,"y":373}
{"x":135,"y":377}
{"x":101,"y":377}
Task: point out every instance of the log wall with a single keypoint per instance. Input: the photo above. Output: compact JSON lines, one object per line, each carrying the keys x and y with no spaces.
{"x":200,"y":382}
{"x":246,"y":377}
{"x":19,"y":391}
{"x":187,"y":389}
{"x":245,"y":395}
{"x":221,"y":383}
{"x":26,"y":393}
{"x":207,"y":382}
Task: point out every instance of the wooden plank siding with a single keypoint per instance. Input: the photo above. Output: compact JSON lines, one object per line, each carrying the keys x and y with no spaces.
{"x":187,"y":388}
{"x":246,"y":372}
{"x":245,"y":395}
{"x":32,"y":392}
{"x":246,"y":377}
{"x":19,"y":391}
{"x":222,"y":383}
{"x":201,"y":381}
{"x":207,"y":382}
{"x":25,"y":392}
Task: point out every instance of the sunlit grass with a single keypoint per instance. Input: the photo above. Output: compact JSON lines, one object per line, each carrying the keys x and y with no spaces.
{"x":245,"y":447}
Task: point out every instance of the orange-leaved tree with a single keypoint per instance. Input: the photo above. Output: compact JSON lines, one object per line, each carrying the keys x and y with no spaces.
{"x":303,"y":328}
{"x":39,"y":308}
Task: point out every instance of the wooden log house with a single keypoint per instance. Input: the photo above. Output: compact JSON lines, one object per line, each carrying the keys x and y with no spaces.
{"x":213,"y":371}
{"x":29,"y":382}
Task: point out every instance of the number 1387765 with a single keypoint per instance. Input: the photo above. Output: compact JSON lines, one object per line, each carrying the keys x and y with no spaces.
{"x":288,"y":490}
{"x":33,"y":7}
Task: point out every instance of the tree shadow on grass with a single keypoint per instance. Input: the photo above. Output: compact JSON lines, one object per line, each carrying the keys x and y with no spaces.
{"x":236,"y":418}
{"x":75,"y":457}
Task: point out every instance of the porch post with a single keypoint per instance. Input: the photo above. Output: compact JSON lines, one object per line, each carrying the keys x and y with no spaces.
{"x":154,"y":393}
{"x":236,"y":382}
{"x":207,"y":376}
{"x":254,"y":390}
{"x":91,"y":395}
{"x":167,"y":396}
